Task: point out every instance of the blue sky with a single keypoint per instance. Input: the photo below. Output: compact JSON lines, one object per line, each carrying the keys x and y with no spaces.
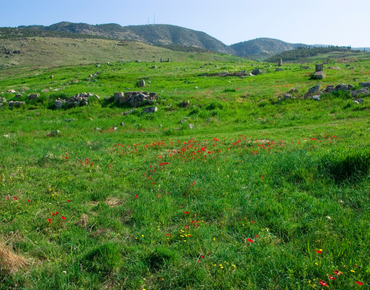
{"x":337,"y":22}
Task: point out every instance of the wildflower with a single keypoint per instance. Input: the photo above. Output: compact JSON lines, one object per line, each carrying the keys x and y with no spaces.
{"x":332,"y":277}
{"x":319,"y":251}
{"x":50,"y":221}
{"x":68,"y":200}
{"x":28,"y":200}
{"x":359,"y":283}
{"x":15,"y":198}
{"x":252,"y":222}
{"x":249,"y":240}
{"x":168,"y":235}
{"x":63,"y":218}
{"x":323,"y":283}
{"x":136,"y":196}
{"x":186,"y":212}
{"x":337,"y":272}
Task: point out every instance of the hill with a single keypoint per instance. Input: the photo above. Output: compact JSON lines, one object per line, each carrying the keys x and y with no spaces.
{"x":305,"y":54}
{"x":263,"y":46}
{"x":64,"y":51}
{"x":150,"y":34}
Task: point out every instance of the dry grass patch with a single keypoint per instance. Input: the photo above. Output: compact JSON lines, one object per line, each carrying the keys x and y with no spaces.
{"x":113,"y":201}
{"x":9,"y":261}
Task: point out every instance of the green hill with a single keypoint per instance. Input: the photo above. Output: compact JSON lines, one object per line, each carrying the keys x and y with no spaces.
{"x":150,"y":34}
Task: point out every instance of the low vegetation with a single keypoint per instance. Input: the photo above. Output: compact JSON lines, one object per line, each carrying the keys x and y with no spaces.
{"x":262,"y":193}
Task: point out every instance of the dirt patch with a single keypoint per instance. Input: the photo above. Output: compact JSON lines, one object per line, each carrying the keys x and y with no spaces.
{"x":9,"y":261}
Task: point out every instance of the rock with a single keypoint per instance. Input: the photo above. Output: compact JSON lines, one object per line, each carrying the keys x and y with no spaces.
{"x":96,"y":96}
{"x":150,"y":110}
{"x":91,"y":119}
{"x":58,"y":103}
{"x":329,"y":89}
{"x":334,"y":67}
{"x":280,"y":62}
{"x":355,"y":80}
{"x":316,"y":98}
{"x":149,"y":82}
{"x":128,"y":112}
{"x":154,"y":67}
{"x":191,"y":126}
{"x":287,"y":97}
{"x":358,"y":101}
{"x":97,"y":129}
{"x":78,"y":100}
{"x":18,"y":96}
{"x":341,"y":87}
{"x":251,"y":75}
{"x":118,"y":95}
{"x":45,"y":91}
{"x":33,"y":96}
{"x":11,"y":91}
{"x":363,"y":91}
{"x":51,"y":77}
{"x":137,"y":60}
{"x":141,"y":83}
{"x":319,"y":67}
{"x":107,"y":99}
{"x":319,"y":75}
{"x":122,"y":124}
{"x":53,"y":133}
{"x":185,"y":104}
{"x":69,"y":120}
{"x":365,"y":85}
{"x":204,"y":75}
{"x":2,"y":100}
{"x":278,"y":69}
{"x":314,"y":89}
{"x":15,"y":103}
{"x":293,"y":90}
{"x":256,"y":72}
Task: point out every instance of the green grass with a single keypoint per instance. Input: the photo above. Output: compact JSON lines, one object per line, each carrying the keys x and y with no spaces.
{"x":242,"y":201}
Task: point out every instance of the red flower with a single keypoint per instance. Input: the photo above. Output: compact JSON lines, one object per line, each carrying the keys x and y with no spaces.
{"x":323,"y":283}
{"x":28,"y":200}
{"x":68,"y":200}
{"x":202,"y":257}
{"x":318,"y":251}
{"x":168,"y":235}
{"x":359,"y":283}
{"x":337,"y":272}
{"x":332,"y":278}
{"x":136,"y":196}
{"x":15,"y":198}
{"x":249,"y":240}
{"x":63,"y":218}
{"x":50,"y":221}
{"x":186,"y":212}
{"x":252,"y":222}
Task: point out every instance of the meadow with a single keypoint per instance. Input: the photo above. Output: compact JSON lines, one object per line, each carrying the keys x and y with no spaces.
{"x":263,"y":193}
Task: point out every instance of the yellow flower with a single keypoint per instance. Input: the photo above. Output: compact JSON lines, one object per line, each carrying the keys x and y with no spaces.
{"x":352,"y":271}
{"x":184,"y":241}
{"x":316,"y":264}
{"x":142,"y":236}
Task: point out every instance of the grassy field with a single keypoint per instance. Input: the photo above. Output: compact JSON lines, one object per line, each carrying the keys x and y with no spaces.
{"x":263,"y":193}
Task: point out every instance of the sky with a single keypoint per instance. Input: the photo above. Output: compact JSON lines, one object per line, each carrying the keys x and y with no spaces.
{"x":332,"y":22}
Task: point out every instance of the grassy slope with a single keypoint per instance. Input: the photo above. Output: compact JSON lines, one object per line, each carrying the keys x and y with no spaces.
{"x":313,"y":194}
{"x":53,"y":52}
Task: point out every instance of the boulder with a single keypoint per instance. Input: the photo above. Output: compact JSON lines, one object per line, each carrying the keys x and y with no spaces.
{"x":33,"y":96}
{"x":358,"y":101}
{"x":150,"y":110}
{"x":58,"y":103}
{"x":154,"y":67}
{"x":118,"y":95}
{"x":256,"y":72}
{"x":53,"y":133}
{"x":314,"y":89}
{"x":128,"y":112}
{"x":15,"y":103}
{"x":319,"y":75}
{"x":329,"y":89}
{"x":11,"y":91}
{"x":287,"y":97}
{"x":365,"y":84}
{"x":78,"y":100}
{"x":18,"y":95}
{"x":363,"y":91}
{"x":341,"y":87}
{"x":191,"y":126}
{"x":185,"y":104}
{"x":316,"y":97}
{"x":141,"y":83}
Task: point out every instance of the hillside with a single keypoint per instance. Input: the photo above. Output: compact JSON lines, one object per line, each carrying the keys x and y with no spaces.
{"x":261,"y":46}
{"x":150,"y":34}
{"x":303,"y":54}
{"x":57,"y":51}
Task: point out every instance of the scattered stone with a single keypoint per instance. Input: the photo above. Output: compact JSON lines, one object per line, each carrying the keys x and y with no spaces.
{"x":6,"y":136}
{"x":141,"y":83}
{"x":96,"y":96}
{"x":185,"y":104}
{"x":136,"y":99}
{"x":58,"y":103}
{"x":69,"y":120}
{"x":334,"y":67}
{"x":314,"y":89}
{"x":53,"y":133}
{"x":33,"y":96}
{"x":137,"y":60}
{"x":11,"y":91}
{"x":51,"y":77}
{"x":18,"y":96}
{"x":204,"y":75}
{"x":355,"y":80}
{"x":15,"y":103}
{"x":358,"y":101}
{"x":329,"y":89}
{"x":363,"y":91}
{"x":78,"y":100}
{"x":319,"y":75}
{"x":278,"y":69}
{"x":128,"y":112}
{"x":365,"y":84}
{"x":118,"y":95}
{"x":91,"y":119}
{"x":154,"y":67}
{"x":97,"y":129}
{"x":150,"y":110}
{"x":122,"y":124}
{"x":45,"y":91}
{"x":341,"y":87}
{"x":293,"y":90}
{"x":256,"y":72}
{"x":287,"y":96}
{"x":316,"y":98}
{"x":191,"y":126}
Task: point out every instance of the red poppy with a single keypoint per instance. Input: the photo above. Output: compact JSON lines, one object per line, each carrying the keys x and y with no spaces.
{"x":249,"y":240}
{"x":337,"y":272}
{"x":50,"y":221}
{"x":63,"y":218}
{"x":28,"y":200}
{"x":252,"y":222}
{"x":323,"y":283}
{"x":68,"y":200}
{"x":359,"y":283}
{"x":136,"y":196}
{"x":332,"y":278}
{"x":202,"y":257}
{"x":15,"y":198}
{"x":168,"y":235}
{"x":186,"y":212}
{"x":318,"y":251}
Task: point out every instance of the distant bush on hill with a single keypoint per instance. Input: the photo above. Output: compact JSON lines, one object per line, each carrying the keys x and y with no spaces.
{"x":305,"y":52}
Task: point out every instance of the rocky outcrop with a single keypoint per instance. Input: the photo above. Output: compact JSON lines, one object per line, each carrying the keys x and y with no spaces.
{"x":150,"y":110}
{"x":136,"y":99}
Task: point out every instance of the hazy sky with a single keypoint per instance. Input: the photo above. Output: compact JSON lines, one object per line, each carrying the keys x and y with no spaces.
{"x":337,"y":22}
